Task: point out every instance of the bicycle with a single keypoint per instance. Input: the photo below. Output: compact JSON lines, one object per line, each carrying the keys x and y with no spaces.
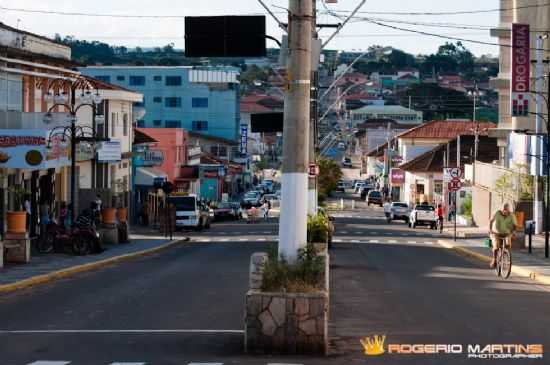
{"x":503,"y":266}
{"x":440,"y":225}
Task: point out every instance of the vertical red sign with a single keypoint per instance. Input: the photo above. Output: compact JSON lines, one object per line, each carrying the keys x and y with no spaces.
{"x":521,"y":63}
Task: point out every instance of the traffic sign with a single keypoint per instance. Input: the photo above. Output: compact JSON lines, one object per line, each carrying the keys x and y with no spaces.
{"x":450,"y":173}
{"x":313,"y":170}
{"x":455,"y":184}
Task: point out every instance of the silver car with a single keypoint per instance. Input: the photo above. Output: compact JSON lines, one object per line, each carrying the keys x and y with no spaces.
{"x":400,"y":211}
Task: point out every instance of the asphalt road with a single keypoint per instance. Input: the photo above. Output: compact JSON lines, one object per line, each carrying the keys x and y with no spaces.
{"x":185,"y":305}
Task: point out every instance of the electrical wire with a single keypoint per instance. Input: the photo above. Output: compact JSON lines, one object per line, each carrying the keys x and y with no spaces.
{"x":459,"y":12}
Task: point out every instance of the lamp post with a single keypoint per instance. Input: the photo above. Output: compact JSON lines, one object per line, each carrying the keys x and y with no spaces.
{"x":74,"y":133}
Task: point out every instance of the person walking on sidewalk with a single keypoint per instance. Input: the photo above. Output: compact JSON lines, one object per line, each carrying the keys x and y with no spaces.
{"x":440,"y":217}
{"x":504,"y":226}
{"x":266,"y":208}
{"x":387,"y":210}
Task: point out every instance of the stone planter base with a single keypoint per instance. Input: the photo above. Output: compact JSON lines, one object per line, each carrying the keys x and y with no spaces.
{"x":287,"y":323}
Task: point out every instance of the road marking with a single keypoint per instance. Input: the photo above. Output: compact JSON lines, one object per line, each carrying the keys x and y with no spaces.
{"x":243,"y":239}
{"x":344,"y":232}
{"x":355,"y":241}
{"x":358,"y":232}
{"x":204,"y":240}
{"x":428,"y":243}
{"x":412,"y":242}
{"x":42,"y":362}
{"x":205,"y":363}
{"x":262,"y":239}
{"x":374,"y":232}
{"x":160,"y":331}
{"x":337,"y":241}
{"x":224,"y":240}
{"x":374,"y":241}
{"x":392,"y":241}
{"x":128,"y":363}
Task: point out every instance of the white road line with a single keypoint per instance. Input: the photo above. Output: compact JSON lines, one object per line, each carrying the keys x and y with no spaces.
{"x":262,"y":239}
{"x":374,"y":241}
{"x":411,"y":242}
{"x":336,"y":241}
{"x":42,"y":362}
{"x":204,"y":240}
{"x":224,"y":240}
{"x":428,"y":243}
{"x":205,"y":363}
{"x":344,"y":232}
{"x":161,"y":331}
{"x":127,"y":363}
{"x":278,"y":363}
{"x":243,"y":239}
{"x":392,"y":241}
{"x":358,"y":232}
{"x":355,"y":241}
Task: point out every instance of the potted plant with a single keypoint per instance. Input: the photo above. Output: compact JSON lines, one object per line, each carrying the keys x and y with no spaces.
{"x":17,"y":219}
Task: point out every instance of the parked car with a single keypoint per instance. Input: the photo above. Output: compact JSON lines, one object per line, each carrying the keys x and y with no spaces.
{"x":341,"y":146}
{"x":228,"y":210}
{"x":346,"y":162}
{"x":365,"y":190}
{"x":341,"y":186}
{"x":278,"y":194}
{"x":400,"y":211}
{"x":190,"y":212}
{"x":423,"y":215}
{"x":374,"y":197}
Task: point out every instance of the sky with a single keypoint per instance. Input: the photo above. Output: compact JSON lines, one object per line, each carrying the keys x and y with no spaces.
{"x":356,"y":35}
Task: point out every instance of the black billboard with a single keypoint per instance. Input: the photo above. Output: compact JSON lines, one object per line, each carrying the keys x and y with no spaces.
{"x":225,"y":36}
{"x":267,"y":122}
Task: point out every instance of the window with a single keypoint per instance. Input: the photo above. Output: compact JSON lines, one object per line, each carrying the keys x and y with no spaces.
{"x":114,"y":122}
{"x":200,"y":125}
{"x":141,"y":123}
{"x":121,"y":78}
{"x":173,"y":80}
{"x":157,"y":122}
{"x":137,"y":80}
{"x":172,"y":102}
{"x":218,"y":150}
{"x":157,"y":99}
{"x":157,"y":78}
{"x":199,"y":102}
{"x":125,"y":125}
{"x":140,"y":104}
{"x":173,"y":124}
{"x":106,"y":79}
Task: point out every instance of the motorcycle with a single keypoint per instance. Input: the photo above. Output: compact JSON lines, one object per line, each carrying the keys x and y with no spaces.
{"x":80,"y":239}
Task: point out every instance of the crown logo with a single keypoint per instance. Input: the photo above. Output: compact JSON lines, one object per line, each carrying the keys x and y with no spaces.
{"x":373,"y":346}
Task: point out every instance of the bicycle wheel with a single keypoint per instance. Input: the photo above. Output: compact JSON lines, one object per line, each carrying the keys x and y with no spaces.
{"x":498,"y":262}
{"x":505,"y":263}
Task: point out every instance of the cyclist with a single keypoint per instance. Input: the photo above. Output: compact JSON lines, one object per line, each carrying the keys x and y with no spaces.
{"x":440,"y":216}
{"x":504,"y":226}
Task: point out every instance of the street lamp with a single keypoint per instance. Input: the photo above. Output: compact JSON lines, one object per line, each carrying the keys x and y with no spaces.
{"x":72,"y":132}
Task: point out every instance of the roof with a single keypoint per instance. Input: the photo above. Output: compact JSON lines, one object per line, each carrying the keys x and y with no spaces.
{"x":432,"y":161}
{"x":102,"y":85}
{"x":142,"y":138}
{"x":385,"y":109}
{"x":260,"y":103}
{"x":7,"y":27}
{"x":36,"y":57}
{"x":446,"y":129}
{"x":377,"y":123}
{"x":193,"y":134}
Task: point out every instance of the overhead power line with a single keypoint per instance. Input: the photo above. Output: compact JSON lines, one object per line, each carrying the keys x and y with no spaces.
{"x":458,"y":12}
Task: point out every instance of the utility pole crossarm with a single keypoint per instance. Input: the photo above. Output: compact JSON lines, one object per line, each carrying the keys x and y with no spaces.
{"x":281,"y":25}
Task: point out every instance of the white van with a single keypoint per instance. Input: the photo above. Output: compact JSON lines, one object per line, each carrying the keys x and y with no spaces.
{"x":190,"y":213}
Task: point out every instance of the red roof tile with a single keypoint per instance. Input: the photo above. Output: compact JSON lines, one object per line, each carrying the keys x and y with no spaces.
{"x":446,"y":129}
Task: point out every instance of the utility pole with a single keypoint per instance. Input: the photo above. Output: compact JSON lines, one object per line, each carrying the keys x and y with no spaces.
{"x":538,"y":201}
{"x":294,"y":197}
{"x":312,"y":181}
{"x":547,"y":203}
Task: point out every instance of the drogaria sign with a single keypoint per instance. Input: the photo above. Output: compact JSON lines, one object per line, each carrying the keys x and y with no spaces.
{"x":520,"y":70}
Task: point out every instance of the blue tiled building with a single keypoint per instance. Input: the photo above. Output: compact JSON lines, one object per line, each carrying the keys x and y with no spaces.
{"x":200,"y":99}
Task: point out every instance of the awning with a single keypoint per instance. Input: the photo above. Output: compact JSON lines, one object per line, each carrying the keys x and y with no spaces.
{"x":147,"y":176}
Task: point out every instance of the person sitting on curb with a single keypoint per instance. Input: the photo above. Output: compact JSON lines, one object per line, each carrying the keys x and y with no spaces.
{"x":504,"y":226}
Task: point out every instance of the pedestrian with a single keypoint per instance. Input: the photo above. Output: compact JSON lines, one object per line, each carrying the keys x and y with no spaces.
{"x":387,"y":210}
{"x":440,"y":218}
{"x":266,"y":208}
{"x":144,"y":214}
{"x":44,"y":216}
{"x":98,"y":202}
{"x":452,"y":211}
{"x":27,"y":206}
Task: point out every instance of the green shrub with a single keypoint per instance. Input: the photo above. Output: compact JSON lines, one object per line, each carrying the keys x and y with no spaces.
{"x":317,"y":228}
{"x":305,"y":276}
{"x":467,"y":207}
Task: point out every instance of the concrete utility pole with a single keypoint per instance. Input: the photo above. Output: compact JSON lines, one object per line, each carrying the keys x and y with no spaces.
{"x":312,"y":181}
{"x":294,"y":194}
{"x":538,"y":187}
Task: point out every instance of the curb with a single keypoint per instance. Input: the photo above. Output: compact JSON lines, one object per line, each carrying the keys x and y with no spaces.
{"x":71,"y":271}
{"x":518,"y":270}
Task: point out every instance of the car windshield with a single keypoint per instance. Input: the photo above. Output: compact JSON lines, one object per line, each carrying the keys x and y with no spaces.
{"x":428,"y":208}
{"x":225,"y":206}
{"x":400,"y":205}
{"x":183,"y":203}
{"x":375,"y":194}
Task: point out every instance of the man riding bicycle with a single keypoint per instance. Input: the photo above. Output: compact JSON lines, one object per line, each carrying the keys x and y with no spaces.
{"x":504,"y":226}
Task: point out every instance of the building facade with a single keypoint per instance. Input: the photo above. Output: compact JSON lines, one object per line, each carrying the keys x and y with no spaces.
{"x":396,"y":112}
{"x":200,"y":99}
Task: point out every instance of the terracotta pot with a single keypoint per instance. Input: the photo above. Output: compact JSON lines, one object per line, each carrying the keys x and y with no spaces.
{"x":108,"y":215}
{"x":17,"y":222}
{"x":122,"y":214}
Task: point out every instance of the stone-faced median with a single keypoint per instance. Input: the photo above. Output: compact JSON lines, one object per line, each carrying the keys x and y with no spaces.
{"x":283,"y":321}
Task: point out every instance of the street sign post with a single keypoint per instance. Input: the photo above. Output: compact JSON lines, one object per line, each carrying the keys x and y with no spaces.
{"x":454,"y":184}
{"x":313,"y":170}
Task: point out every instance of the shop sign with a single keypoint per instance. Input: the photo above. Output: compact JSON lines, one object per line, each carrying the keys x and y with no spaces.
{"x":521,"y":64}
{"x":26,"y":149}
{"x":109,"y":151}
{"x":397,"y":176}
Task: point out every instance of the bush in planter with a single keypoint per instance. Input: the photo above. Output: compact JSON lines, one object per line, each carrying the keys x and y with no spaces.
{"x":317,"y":228}
{"x":306,"y":276}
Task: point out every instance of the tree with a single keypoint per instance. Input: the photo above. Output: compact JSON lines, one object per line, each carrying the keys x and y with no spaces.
{"x":329,"y":175}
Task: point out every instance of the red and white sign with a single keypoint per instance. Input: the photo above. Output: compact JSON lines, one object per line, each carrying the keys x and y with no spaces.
{"x":397,"y":176}
{"x":521,"y":63}
{"x":455,"y":184}
{"x":313,"y":170}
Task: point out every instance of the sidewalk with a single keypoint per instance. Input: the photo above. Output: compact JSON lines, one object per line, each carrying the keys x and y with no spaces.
{"x":48,"y":267}
{"x":534,"y":266}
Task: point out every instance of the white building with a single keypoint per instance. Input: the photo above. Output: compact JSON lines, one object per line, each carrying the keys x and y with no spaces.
{"x":396,"y":112}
